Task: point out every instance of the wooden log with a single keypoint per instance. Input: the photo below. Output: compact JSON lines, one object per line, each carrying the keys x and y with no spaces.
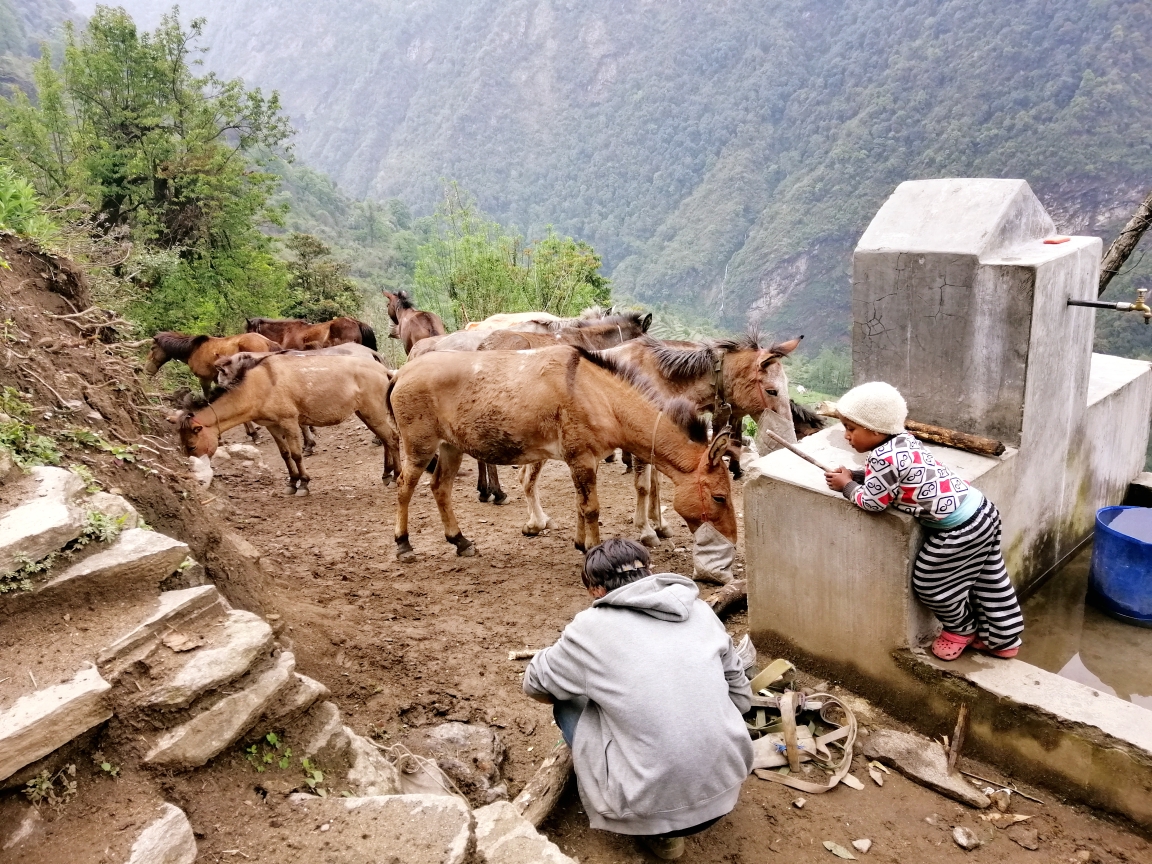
{"x":729,"y":598}
{"x":958,"y":738}
{"x":951,"y":438}
{"x":539,"y":797}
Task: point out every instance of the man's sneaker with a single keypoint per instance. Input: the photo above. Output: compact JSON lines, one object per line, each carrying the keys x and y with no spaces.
{"x":668,"y":848}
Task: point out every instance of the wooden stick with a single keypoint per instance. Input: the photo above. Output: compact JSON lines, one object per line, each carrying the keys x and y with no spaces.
{"x":525,"y":654}
{"x":797,"y":451}
{"x":729,"y":598}
{"x":958,"y":738}
{"x":1013,"y":789}
{"x":959,"y":440}
{"x":539,"y":797}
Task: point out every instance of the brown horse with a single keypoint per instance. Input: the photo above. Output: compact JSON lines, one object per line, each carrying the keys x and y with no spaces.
{"x":591,"y":333}
{"x":516,"y":408}
{"x":285,"y":392}
{"x":411,"y":325}
{"x":299,"y":335}
{"x":202,"y":352}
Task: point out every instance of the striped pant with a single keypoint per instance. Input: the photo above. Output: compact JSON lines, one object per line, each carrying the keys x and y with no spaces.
{"x":960,"y":575}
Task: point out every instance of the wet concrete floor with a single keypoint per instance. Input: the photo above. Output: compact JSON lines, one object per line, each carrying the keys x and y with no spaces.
{"x":1066,"y":635}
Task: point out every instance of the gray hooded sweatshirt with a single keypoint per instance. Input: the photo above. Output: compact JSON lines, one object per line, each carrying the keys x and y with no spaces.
{"x":661,"y":746}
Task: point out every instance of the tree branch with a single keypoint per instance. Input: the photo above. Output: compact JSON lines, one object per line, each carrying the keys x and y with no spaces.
{"x":1123,"y":245}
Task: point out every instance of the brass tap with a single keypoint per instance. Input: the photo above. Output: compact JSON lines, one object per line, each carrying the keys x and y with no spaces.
{"x":1138,"y":306}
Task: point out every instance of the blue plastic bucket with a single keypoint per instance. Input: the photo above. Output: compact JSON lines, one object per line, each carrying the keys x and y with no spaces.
{"x":1121,"y":577}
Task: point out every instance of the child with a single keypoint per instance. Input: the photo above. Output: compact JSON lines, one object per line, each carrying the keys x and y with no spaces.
{"x":959,"y":573}
{"x":648,"y":692}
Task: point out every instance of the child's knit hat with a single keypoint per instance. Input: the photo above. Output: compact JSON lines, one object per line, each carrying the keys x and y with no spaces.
{"x":876,"y":406}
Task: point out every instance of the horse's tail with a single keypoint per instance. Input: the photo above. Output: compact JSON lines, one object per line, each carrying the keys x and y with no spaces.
{"x":367,"y":336}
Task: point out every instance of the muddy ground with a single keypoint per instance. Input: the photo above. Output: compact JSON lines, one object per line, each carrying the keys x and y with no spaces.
{"x":406,"y":646}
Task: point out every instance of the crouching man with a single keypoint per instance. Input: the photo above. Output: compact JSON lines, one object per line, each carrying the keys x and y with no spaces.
{"x":647,"y":690}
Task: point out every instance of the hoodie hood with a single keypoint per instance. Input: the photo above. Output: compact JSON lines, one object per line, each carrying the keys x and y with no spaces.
{"x":667,"y":596}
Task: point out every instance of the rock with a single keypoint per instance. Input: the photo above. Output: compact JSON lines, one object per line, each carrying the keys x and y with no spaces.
{"x":193,"y":743}
{"x":48,"y":520}
{"x":245,"y":451}
{"x":1083,"y":855}
{"x":470,"y":755}
{"x":7,"y":466}
{"x":403,"y":829}
{"x":503,"y":836}
{"x":201,"y":469}
{"x":40,"y":722}
{"x":321,"y":735}
{"x":114,"y":507}
{"x":243,"y":639}
{"x":965,"y":838}
{"x":924,"y":761}
{"x":799,"y":803}
{"x":371,"y":774}
{"x":1029,"y":838}
{"x":862,"y":846}
{"x":167,"y":840}
{"x":298,"y":697}
{"x":242,"y":547}
{"x":136,"y":556}
{"x":190,"y":574}
{"x":173,"y":608}
{"x":1001,"y":799}
{"x":28,"y":830}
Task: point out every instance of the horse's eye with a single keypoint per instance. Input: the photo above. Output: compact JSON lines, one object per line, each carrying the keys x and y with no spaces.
{"x":719,"y":499}
{"x":772,"y":392}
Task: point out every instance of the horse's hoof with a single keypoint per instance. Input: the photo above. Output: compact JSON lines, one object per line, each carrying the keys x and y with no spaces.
{"x":550,"y":524}
{"x":611,"y":457}
{"x":388,"y":481}
{"x":664,"y":533}
{"x":484,"y":497}
{"x":579,"y":546}
{"x":408,"y":557}
{"x":531,"y":530}
{"x":468,"y":551}
{"x":628,"y":470}
{"x":308,"y":451}
{"x":649,"y":539}
{"x":499,"y":497}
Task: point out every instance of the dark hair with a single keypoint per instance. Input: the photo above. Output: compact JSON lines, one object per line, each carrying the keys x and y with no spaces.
{"x":615,"y":563}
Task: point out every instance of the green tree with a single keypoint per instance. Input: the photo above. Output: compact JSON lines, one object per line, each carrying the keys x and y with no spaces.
{"x":127,"y":131}
{"x":318,"y":286}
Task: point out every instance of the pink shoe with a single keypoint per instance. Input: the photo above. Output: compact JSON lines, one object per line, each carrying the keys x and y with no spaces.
{"x":996,"y":652}
{"x":949,"y":646}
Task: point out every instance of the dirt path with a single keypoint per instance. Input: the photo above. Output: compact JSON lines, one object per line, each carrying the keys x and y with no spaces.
{"x":402,"y":646}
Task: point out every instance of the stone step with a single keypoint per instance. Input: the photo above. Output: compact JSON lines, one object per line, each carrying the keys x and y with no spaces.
{"x":166,"y":840}
{"x":320,"y":735}
{"x":173,"y":610}
{"x":194,"y":742}
{"x":47,"y":518}
{"x":503,"y":836}
{"x":289,"y":707}
{"x":403,"y":829}
{"x":136,"y":558}
{"x":233,"y":646}
{"x":41,"y":722}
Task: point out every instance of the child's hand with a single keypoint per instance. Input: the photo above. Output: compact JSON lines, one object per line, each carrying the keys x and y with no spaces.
{"x":838,"y":479}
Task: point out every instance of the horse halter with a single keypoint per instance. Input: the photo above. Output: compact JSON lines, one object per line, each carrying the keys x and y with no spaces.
{"x":722,"y":416}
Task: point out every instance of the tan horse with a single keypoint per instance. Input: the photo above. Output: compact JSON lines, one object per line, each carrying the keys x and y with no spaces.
{"x":521,"y":407}
{"x":202,"y":352}
{"x":299,"y":335}
{"x":411,"y":325}
{"x":285,"y":392}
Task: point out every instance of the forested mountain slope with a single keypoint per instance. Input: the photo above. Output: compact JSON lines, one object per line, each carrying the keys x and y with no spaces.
{"x":24,"y":24}
{"x":724,"y":155}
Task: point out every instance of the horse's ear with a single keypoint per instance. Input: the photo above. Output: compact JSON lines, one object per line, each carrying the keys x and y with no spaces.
{"x":646,"y":322}
{"x":719,"y":445}
{"x":196,"y":428}
{"x":785,"y":348}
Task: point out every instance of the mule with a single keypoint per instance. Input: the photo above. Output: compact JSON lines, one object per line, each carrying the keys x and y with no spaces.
{"x":411,"y":325}
{"x":594,"y":332}
{"x":284,"y":393}
{"x":296,"y":334}
{"x":522,"y":407}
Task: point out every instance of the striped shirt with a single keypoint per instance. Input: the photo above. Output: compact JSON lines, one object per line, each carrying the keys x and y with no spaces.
{"x":900,"y":473}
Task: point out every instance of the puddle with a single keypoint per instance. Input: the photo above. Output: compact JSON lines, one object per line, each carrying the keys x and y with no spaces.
{"x":1063,"y":634}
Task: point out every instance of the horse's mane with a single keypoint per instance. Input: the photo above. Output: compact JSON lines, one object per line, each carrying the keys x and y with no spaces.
{"x":618,"y":319}
{"x":249,"y":360}
{"x":679,"y":410}
{"x":404,"y":300}
{"x":678,"y":363}
{"x":257,"y":322}
{"x":804,"y":416}
{"x":178,"y":346}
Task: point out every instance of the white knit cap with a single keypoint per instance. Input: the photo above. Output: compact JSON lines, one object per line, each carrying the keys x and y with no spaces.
{"x":876,"y":406}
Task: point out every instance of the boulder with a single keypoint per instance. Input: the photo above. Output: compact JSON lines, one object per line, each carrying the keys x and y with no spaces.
{"x":136,"y":556}
{"x":40,"y":722}
{"x":370,"y":773}
{"x":167,"y":840}
{"x":470,"y":755}
{"x":320,"y":736}
{"x":193,"y":743}
{"x":243,"y":638}
{"x":399,"y":829}
{"x":297,"y":697}
{"x":172,"y":608}
{"x":114,"y":507}
{"x":503,"y":836}
{"x":48,"y":519}
{"x":924,"y":761}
